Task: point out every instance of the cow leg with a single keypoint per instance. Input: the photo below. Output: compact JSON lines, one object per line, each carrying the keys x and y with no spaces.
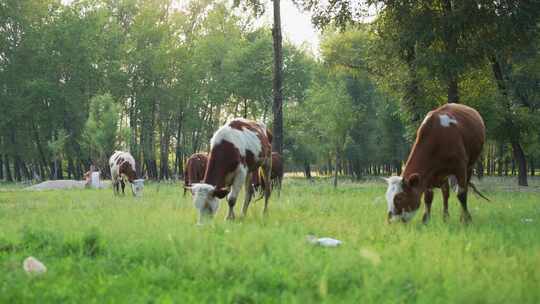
{"x":267,"y":171}
{"x":445,"y":189}
{"x":116,"y":186}
{"x":123,"y":184}
{"x":250,"y":190}
{"x":428,"y":200}
{"x":463,"y":182}
{"x":239,"y":180}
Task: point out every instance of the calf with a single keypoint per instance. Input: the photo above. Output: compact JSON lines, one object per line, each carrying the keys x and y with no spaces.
{"x":238,"y":148}
{"x":122,"y":166}
{"x":276,"y":175}
{"x":448,"y":143}
{"x":194,"y":169}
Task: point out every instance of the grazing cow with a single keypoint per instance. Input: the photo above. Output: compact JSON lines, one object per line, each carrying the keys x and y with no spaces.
{"x":448,"y":143}
{"x":276,"y":176}
{"x":194,"y":169}
{"x":237,"y":149}
{"x":122,"y":166}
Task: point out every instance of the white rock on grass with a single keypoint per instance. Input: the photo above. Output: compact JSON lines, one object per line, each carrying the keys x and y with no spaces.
{"x":33,"y":266}
{"x":324,"y":241}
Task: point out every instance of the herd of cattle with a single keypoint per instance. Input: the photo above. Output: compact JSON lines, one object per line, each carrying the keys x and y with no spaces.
{"x":448,"y":143}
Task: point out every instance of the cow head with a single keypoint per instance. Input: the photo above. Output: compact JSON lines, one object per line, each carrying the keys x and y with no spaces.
{"x":137,"y":187}
{"x":403,"y":197}
{"x":206,"y":199}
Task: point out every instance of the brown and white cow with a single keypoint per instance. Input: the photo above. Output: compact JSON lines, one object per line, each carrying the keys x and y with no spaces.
{"x":448,"y":143}
{"x":122,"y":166}
{"x":194,"y":169}
{"x":237,"y":149}
{"x":276,"y":175}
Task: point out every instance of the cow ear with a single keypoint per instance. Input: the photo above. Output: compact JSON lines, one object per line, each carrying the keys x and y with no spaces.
{"x":413,"y":180}
{"x":220,"y":193}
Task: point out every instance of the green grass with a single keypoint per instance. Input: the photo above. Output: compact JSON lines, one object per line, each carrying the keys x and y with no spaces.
{"x":104,"y":249}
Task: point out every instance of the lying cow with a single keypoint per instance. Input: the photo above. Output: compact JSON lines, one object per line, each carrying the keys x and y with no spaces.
{"x":237,"y":149}
{"x":194,"y":169}
{"x":276,"y":175}
{"x":122,"y":166}
{"x":448,"y":143}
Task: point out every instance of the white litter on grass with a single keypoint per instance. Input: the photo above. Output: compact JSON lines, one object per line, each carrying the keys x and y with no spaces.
{"x":32,"y":265}
{"x":527,"y":220}
{"x":324,"y":242}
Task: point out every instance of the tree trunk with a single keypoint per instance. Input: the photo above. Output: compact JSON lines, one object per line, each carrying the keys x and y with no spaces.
{"x":480,"y":167}
{"x":70,"y":168}
{"x":307,"y":170}
{"x":17,"y":169}
{"x":531,"y":163}
{"x":453,"y":92}
{"x":39,"y":146}
{"x":488,"y":160}
{"x":451,"y":44}
{"x":9,"y":177}
{"x":60,"y":172}
{"x":336,"y":169}
{"x":513,"y":162}
{"x":179,"y":160}
{"x":164,"y":154}
{"x":412,"y":88}
{"x":277,"y":108}
{"x":519,"y":157}
{"x":80,"y":170}
{"x":1,"y":167}
{"x":26,"y":172}
{"x":500,"y":160}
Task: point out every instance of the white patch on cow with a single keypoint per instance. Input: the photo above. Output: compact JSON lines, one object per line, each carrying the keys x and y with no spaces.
{"x":204,"y":201}
{"x":239,"y":179}
{"x":394,"y":187}
{"x":446,"y":120}
{"x":243,"y":139}
{"x":426,"y":119}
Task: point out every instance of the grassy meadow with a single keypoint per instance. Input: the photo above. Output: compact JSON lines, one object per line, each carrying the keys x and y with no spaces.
{"x":104,"y":249}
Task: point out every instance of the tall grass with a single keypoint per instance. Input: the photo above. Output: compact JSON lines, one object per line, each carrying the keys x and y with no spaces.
{"x":100,"y":248}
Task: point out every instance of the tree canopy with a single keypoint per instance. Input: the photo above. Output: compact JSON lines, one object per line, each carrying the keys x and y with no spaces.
{"x":80,"y":80}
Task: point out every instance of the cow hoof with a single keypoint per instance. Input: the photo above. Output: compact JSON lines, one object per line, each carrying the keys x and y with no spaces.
{"x":445,"y":217}
{"x":466,"y":218}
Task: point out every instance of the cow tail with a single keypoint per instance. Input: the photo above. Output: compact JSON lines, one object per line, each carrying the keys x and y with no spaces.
{"x":269,"y":135}
{"x":478,"y":192}
{"x":261,"y":182}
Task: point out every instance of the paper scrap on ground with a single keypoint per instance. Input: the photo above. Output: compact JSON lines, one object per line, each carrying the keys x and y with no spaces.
{"x":33,"y":266}
{"x":325,"y":241}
